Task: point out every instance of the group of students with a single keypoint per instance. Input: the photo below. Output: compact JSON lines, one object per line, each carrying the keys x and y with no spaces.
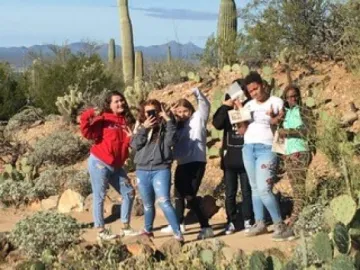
{"x":160,"y":136}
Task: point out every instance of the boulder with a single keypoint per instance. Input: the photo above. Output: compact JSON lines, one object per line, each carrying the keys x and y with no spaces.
{"x":71,"y":201}
{"x":50,"y":203}
{"x":220,"y":215}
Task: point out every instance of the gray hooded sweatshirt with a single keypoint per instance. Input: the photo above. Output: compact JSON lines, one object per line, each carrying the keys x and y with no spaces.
{"x":155,"y":154}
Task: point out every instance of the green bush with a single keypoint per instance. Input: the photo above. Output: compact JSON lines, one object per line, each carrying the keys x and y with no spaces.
{"x":45,"y":230}
{"x":55,"y":181}
{"x":23,"y":119}
{"x":12,"y":91}
{"x":52,"y":78}
{"x":17,"y":192}
{"x":59,"y":148}
{"x":108,"y":256}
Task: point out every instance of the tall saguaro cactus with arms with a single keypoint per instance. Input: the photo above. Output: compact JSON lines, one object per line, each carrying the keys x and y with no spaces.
{"x":127,"y":41}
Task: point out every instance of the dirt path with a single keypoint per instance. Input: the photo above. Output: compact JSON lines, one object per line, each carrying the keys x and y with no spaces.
{"x":9,"y":217}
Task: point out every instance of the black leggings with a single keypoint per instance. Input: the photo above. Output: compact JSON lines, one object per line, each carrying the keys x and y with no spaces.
{"x":187,"y":182}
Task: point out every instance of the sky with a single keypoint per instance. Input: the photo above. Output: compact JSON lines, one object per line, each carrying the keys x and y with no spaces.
{"x":31,"y":22}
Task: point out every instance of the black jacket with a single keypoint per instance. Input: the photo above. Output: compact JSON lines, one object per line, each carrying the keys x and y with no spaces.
{"x":231,"y":157}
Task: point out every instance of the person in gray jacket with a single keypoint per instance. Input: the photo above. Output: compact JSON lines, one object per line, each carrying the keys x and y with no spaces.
{"x":153,"y":142}
{"x":190,"y":154}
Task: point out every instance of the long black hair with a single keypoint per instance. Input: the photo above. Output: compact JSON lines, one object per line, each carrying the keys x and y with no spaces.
{"x":297,"y":91}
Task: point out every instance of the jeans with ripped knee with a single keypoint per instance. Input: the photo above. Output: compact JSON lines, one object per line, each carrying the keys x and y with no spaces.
{"x":260,"y":165}
{"x":155,"y":185}
{"x":101,"y":175}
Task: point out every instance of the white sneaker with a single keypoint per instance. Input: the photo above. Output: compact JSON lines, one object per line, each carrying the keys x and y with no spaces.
{"x":169,"y":230}
{"x":247,"y":225}
{"x":106,"y":235}
{"x":205,"y":233}
{"x":129,"y":232}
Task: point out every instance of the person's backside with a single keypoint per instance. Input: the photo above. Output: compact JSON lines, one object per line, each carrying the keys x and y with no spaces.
{"x":153,"y":142}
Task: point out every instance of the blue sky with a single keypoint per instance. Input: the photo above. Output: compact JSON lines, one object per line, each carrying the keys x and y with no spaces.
{"x":30,"y":22}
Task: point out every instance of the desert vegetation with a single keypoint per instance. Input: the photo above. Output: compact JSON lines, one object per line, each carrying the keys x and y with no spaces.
{"x":314,"y":44}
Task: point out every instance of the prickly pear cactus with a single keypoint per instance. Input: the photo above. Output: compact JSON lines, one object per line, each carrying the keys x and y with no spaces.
{"x":343,"y":208}
{"x":342,"y":262}
{"x":236,"y":68}
{"x":310,"y":102}
{"x":207,"y":256}
{"x":341,"y":238}
{"x":291,"y":266}
{"x":227,"y":68}
{"x":258,"y":261}
{"x":274,"y":263}
{"x":323,"y":247}
{"x":69,"y":104}
{"x":245,"y":70}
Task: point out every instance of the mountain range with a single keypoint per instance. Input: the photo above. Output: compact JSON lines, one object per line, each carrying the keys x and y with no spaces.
{"x":19,"y":56}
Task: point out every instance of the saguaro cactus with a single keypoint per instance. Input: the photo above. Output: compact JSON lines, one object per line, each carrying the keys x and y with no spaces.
{"x":111,"y":51}
{"x":139,"y":65}
{"x":227,"y":29}
{"x":169,"y":58}
{"x":127,"y":41}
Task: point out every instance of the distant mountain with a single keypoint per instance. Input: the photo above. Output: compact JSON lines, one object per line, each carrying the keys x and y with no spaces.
{"x":19,"y":56}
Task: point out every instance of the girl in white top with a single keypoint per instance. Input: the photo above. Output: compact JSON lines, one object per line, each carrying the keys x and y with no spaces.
{"x":259,"y":161}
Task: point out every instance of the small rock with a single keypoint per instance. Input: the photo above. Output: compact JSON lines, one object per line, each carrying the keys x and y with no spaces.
{"x":137,"y":249}
{"x":349,"y":118}
{"x":50,"y":203}
{"x":172,"y":247}
{"x":71,"y":201}
{"x":140,"y":239}
{"x":220,"y":215}
{"x":138,"y":208}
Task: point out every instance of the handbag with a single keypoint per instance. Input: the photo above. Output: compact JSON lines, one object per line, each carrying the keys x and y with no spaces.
{"x":278,"y":145}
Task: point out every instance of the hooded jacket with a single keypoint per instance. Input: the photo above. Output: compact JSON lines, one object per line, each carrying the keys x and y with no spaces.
{"x":231,"y":157}
{"x":108,"y":131}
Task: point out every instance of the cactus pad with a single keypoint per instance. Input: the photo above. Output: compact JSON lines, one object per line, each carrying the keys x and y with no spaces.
{"x":207,"y":256}
{"x":258,"y":261}
{"x":341,"y":238}
{"x":342,"y":262}
{"x":343,"y":208}
{"x":323,"y":247}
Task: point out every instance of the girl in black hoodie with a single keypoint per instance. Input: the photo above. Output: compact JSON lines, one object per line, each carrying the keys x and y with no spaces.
{"x":232,"y":165}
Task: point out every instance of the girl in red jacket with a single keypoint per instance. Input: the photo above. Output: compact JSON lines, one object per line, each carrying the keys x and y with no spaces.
{"x":111,"y":133}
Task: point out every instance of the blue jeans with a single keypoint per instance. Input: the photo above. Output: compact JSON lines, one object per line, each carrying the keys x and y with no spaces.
{"x":260,"y":165}
{"x":101,"y":175}
{"x":156,"y":184}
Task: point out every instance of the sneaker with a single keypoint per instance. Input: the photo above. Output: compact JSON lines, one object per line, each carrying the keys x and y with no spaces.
{"x":169,"y":230}
{"x":282,"y":232}
{"x":179,"y":238}
{"x":230,"y":228}
{"x":258,"y":228}
{"x":106,"y":235}
{"x":205,"y":233}
{"x":129,"y":232}
{"x":148,"y":234}
{"x":247,"y":225}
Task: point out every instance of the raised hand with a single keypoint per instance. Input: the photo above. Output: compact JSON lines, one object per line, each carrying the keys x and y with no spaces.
{"x":128,"y":132}
{"x":149,"y":122}
{"x":163,"y":114}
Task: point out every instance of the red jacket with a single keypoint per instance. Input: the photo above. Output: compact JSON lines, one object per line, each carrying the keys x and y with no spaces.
{"x":108,"y":131}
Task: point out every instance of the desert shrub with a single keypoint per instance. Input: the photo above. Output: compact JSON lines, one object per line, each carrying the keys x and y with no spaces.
{"x":12,"y":92}
{"x":94,"y":257}
{"x":161,"y":73}
{"x":52,"y":78}
{"x":23,"y":119}
{"x":45,"y":230}
{"x":55,"y":181}
{"x":17,"y":192}
{"x":60,"y":148}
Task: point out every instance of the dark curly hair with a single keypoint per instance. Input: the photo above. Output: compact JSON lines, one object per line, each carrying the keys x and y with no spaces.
{"x":130,"y":119}
{"x":141,"y":109}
